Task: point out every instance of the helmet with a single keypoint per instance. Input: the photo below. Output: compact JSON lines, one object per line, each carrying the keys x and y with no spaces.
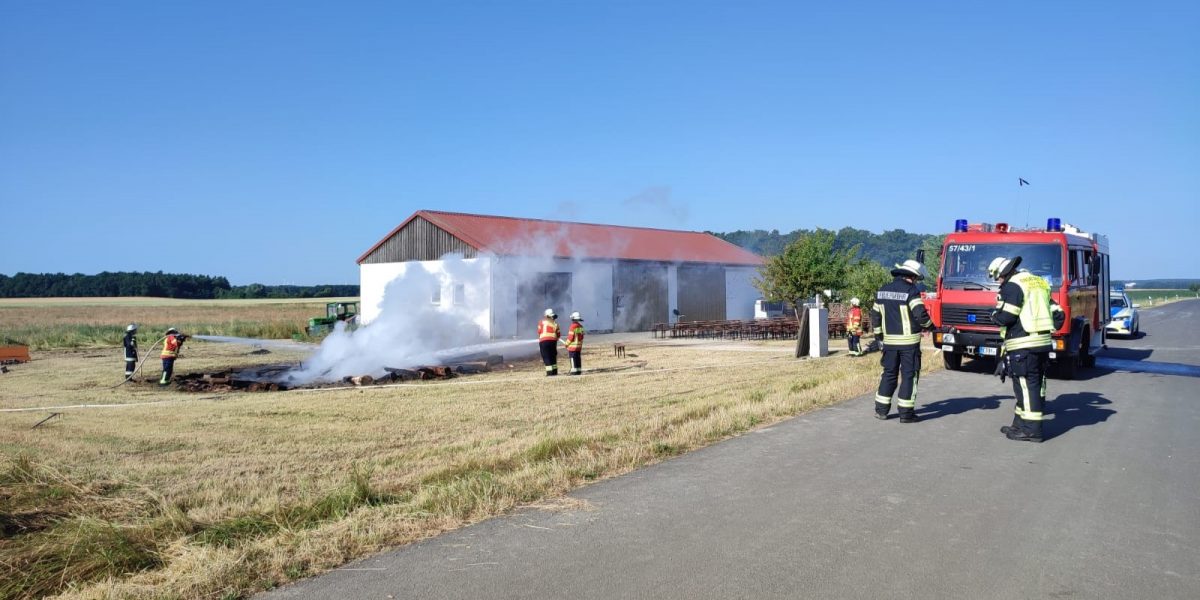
{"x":909,"y":268}
{"x":1002,"y":267}
{"x":131,"y":327}
{"x":172,"y":330}
{"x":576,"y":317}
{"x":854,"y":302}
{"x":550,"y":313}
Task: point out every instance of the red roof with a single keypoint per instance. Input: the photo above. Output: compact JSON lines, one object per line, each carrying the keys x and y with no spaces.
{"x":535,"y":237}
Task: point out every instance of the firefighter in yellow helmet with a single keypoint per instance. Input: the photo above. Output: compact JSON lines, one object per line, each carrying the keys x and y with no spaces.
{"x":548,"y":334}
{"x":575,"y":335}
{"x":899,"y":316}
{"x":1027,"y":317}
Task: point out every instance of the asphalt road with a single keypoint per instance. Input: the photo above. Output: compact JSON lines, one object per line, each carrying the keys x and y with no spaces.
{"x":836,"y":504}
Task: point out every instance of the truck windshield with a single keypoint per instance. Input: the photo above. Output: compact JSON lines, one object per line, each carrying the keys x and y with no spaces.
{"x":964,"y":266}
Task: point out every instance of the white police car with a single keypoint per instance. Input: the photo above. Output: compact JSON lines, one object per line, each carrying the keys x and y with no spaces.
{"x":1124,"y":315}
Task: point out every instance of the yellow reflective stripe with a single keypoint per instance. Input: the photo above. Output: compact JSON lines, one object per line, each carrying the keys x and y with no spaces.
{"x":1036,"y":340}
{"x":902,"y":403}
{"x":915,"y":302}
{"x":901,"y":340}
{"x":1024,"y":399}
{"x":883,"y":399}
{"x":905,"y":321}
{"x":1032,"y":416}
{"x":1011,"y":309}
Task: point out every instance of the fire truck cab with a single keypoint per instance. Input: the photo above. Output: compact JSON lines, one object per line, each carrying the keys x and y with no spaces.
{"x":1074,"y":262}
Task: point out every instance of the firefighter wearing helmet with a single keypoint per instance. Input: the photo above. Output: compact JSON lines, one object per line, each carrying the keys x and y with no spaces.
{"x":575,"y":335}
{"x":854,"y":324}
{"x":172,"y":343}
{"x":130,"y":344}
{"x":899,"y":316}
{"x":1027,"y":317}
{"x":548,"y":334}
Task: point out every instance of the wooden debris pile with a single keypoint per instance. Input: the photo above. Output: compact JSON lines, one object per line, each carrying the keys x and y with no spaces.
{"x":274,"y":378}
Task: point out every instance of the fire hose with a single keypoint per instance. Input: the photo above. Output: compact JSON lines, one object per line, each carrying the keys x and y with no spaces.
{"x":149,"y":353}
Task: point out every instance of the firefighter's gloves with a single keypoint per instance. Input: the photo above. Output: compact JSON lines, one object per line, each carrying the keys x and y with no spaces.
{"x":1002,"y":368}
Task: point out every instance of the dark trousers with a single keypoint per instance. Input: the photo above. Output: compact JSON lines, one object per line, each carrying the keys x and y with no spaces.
{"x":903,"y":364}
{"x":549,"y":350}
{"x":576,"y":361}
{"x":130,"y":363}
{"x":1028,"y":371}
{"x":168,"y":370}
{"x":852,"y":341}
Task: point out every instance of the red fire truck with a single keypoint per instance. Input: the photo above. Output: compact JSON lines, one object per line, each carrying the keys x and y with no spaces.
{"x":1074,"y":262}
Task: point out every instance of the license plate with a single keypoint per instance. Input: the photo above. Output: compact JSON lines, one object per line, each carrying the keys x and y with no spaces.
{"x":987,"y":351}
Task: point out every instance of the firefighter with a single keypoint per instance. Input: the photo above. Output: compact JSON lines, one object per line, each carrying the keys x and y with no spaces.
{"x":548,"y":334}
{"x":1027,"y":317}
{"x":899,"y":316}
{"x":171,"y":345}
{"x":854,"y":328}
{"x":130,"y":343}
{"x":575,"y":335}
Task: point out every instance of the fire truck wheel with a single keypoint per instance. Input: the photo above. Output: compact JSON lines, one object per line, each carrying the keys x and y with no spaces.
{"x":952,"y":360}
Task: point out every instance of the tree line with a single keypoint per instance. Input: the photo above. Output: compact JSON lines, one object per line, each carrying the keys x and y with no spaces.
{"x":887,"y":248}
{"x":158,"y":285}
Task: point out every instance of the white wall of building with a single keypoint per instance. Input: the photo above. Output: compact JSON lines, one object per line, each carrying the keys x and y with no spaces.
{"x":740,"y":292}
{"x":489,"y":289}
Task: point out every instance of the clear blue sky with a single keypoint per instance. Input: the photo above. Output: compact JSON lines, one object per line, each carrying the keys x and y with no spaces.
{"x":274,"y":142}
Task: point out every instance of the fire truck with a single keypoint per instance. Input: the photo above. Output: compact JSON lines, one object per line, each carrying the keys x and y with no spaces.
{"x":1074,"y":262}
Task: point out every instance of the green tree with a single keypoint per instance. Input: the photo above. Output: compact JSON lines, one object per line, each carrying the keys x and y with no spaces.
{"x":1195,"y":288}
{"x":863,"y":279}
{"x":806,"y":267}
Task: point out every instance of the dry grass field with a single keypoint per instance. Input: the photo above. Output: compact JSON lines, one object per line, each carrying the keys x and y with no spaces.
{"x":45,"y":323}
{"x":155,"y":493}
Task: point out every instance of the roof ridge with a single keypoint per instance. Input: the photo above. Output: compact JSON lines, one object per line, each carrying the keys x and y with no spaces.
{"x":607,"y":226}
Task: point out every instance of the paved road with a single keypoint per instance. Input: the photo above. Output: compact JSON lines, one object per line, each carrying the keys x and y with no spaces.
{"x":836,"y":504}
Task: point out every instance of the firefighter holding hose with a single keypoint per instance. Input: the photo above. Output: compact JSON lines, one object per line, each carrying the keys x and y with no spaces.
{"x":172,"y":343}
{"x":548,"y":340}
{"x":574,"y":344}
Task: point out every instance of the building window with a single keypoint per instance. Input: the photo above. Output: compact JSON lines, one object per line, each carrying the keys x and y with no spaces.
{"x":437,"y":295}
{"x":460,"y":294}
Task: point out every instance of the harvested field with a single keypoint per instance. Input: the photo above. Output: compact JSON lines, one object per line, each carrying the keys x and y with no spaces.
{"x":220,"y":494}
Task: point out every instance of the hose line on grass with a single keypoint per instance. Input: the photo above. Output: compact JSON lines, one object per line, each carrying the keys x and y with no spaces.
{"x":149,"y":353}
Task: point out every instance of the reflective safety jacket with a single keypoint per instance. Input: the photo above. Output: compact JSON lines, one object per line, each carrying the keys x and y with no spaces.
{"x":899,"y":315}
{"x":575,"y":336}
{"x":1026,"y":313}
{"x":171,"y":346}
{"x":854,"y":320}
{"x":548,"y":331}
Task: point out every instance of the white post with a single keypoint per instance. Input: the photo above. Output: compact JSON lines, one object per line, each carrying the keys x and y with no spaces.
{"x":818,"y":332}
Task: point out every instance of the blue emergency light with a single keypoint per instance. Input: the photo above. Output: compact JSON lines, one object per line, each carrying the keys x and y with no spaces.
{"x":1053,"y":224}
{"x":960,"y":225}
{"x":971,"y":318}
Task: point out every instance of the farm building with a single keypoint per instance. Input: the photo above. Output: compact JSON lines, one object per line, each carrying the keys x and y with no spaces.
{"x":502,"y":272}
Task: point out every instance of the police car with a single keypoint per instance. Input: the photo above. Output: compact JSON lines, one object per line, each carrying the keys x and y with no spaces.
{"x":1123,"y":315}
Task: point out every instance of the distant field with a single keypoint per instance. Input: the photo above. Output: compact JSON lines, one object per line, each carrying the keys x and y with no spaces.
{"x":46,"y":323}
{"x":1154,"y":297}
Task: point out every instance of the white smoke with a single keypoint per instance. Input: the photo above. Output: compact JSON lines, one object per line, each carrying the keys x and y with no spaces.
{"x":410,"y":330}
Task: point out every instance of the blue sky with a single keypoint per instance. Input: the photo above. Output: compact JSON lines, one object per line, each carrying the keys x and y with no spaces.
{"x":274,"y":142}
